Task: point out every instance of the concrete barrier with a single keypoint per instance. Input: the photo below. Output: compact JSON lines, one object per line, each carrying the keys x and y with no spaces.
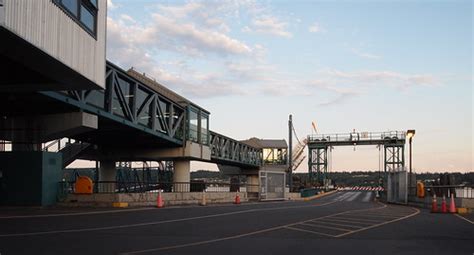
{"x":149,"y":199}
{"x":293,"y":195}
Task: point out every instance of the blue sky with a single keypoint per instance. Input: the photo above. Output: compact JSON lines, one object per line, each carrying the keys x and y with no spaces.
{"x":364,"y":65}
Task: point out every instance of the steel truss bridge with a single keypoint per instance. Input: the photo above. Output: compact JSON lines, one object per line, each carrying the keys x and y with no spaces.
{"x":393,"y":143}
{"x":131,"y":114}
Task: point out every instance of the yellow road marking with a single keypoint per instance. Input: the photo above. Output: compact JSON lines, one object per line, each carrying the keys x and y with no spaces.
{"x":309,"y":231}
{"x":466,"y":219}
{"x":323,"y":226}
{"x":381,"y":224}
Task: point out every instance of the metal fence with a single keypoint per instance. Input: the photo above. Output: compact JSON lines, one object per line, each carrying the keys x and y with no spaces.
{"x":459,"y":191}
{"x":142,"y":187}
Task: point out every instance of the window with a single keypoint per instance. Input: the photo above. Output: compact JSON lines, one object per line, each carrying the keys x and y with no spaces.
{"x":84,"y":12}
{"x":204,"y":129}
{"x":193,"y":125}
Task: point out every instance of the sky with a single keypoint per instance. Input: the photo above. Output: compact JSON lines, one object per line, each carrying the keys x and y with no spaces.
{"x":363,"y":65}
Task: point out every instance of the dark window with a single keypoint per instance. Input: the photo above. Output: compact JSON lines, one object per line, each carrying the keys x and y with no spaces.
{"x":87,"y":18}
{"x":84,"y":12}
{"x":70,"y":5}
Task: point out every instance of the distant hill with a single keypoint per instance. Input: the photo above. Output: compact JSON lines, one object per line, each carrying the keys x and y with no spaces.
{"x":354,"y":178}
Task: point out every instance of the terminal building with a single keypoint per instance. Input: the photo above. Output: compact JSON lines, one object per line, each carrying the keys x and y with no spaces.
{"x":57,"y":85}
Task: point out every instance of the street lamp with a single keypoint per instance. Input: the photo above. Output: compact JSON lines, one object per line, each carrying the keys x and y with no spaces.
{"x":410,"y":134}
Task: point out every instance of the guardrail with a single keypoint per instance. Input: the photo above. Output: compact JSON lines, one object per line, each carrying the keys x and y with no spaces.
{"x":142,"y":187}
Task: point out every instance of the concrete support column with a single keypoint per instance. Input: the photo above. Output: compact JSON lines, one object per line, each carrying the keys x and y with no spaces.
{"x":107,"y":174}
{"x":253,"y":183}
{"x":182,"y":176}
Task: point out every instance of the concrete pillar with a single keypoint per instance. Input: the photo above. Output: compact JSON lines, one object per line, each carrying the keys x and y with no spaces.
{"x":182,"y":176}
{"x":253,"y":183}
{"x":107,"y":176}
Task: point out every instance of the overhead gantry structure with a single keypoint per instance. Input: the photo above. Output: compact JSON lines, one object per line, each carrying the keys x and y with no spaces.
{"x":393,"y":143}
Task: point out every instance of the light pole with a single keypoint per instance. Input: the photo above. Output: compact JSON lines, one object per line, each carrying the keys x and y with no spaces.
{"x":290,"y":151}
{"x":410,"y":135}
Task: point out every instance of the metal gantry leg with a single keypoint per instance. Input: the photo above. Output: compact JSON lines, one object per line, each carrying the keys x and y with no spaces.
{"x":318,"y":164}
{"x":394,"y":158}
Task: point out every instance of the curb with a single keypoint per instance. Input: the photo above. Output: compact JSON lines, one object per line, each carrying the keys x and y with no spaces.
{"x":318,"y":195}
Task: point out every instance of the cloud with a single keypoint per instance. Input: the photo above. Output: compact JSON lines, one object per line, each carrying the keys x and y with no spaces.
{"x":316,"y":28}
{"x":385,"y":77}
{"x":365,"y":54}
{"x":268,"y":24}
{"x":111,"y":5}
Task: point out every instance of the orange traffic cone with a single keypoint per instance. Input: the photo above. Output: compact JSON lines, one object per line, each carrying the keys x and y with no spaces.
{"x":444,"y":209}
{"x":237,"y":199}
{"x":434,"y":204}
{"x":452,"y":206}
{"x":159,"y":200}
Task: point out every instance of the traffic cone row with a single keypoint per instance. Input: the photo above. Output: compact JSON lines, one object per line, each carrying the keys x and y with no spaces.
{"x":444,"y":209}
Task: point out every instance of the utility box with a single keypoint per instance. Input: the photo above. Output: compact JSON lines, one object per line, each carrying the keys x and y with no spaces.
{"x":29,"y":178}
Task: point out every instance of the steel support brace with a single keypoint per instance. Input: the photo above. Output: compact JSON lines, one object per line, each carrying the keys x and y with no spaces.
{"x":394,"y":158}
{"x":318,"y":164}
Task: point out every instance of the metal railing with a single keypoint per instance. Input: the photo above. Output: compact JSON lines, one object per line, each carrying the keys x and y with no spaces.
{"x":142,"y":187}
{"x":357,"y":136}
{"x":459,"y":191}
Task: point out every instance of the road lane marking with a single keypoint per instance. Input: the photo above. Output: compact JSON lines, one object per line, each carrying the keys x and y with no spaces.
{"x":308,"y":231}
{"x":367,"y":197}
{"x":380,"y":224}
{"x":337,"y":224}
{"x":466,"y":219}
{"x":358,"y":219}
{"x":348,"y":221}
{"x":246,"y":234}
{"x":74,"y":214}
{"x":354,"y":196}
{"x":158,"y":222}
{"x":344,"y":196}
{"x":319,"y":225}
{"x":376,"y":216}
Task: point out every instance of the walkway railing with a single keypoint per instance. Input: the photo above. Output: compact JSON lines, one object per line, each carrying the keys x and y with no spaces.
{"x":142,"y":187}
{"x":230,"y":151}
{"x":357,"y":136}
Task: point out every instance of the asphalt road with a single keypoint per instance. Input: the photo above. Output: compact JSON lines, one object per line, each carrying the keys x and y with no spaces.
{"x":341,"y":223}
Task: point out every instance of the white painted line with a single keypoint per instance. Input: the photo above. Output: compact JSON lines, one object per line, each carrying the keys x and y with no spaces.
{"x":367,"y":197}
{"x":74,"y":214}
{"x":381,"y":224}
{"x":157,"y":222}
{"x":354,"y":196}
{"x":309,"y":231}
{"x":347,"y":221}
{"x":324,"y":226}
{"x":344,"y":196}
{"x":466,"y":219}
{"x":337,"y":224}
{"x":349,"y":217}
{"x":288,"y":226}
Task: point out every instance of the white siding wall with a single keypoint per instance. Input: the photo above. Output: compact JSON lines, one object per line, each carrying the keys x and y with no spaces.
{"x":46,"y":26}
